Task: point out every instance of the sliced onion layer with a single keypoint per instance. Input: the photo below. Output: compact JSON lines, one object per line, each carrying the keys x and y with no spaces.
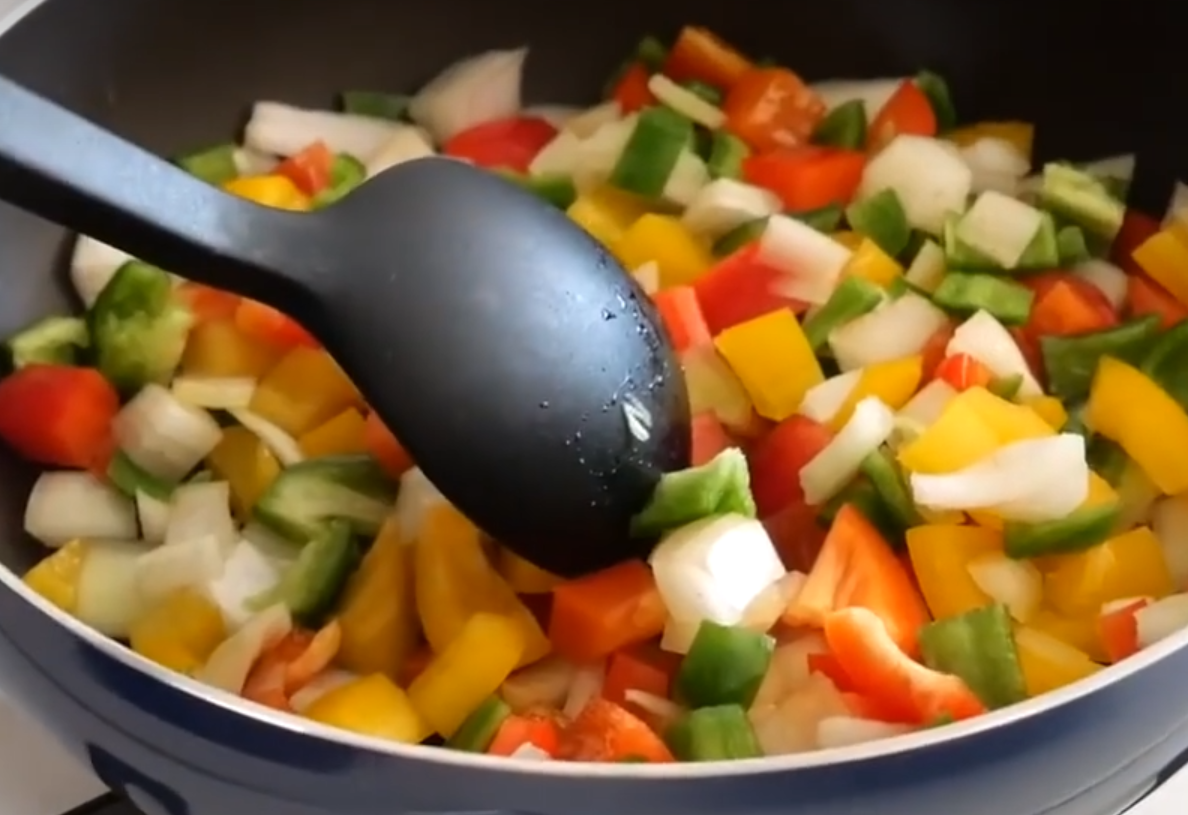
{"x":475,"y":90}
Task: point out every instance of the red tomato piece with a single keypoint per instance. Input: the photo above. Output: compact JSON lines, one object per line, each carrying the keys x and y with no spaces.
{"x":510,"y":143}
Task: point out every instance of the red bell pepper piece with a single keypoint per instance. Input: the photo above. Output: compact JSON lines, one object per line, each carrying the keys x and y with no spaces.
{"x":1144,"y":296}
{"x":509,"y":143}
{"x":58,"y":415}
{"x":709,"y":438}
{"x":539,"y":730}
{"x":309,"y":170}
{"x":627,"y":670}
{"x":605,"y":732}
{"x":1118,"y":629}
{"x":631,"y":91}
{"x":776,"y":461}
{"x":681,"y":314}
{"x":1136,"y":228}
{"x":879,"y":670}
{"x":935,"y":350}
{"x":907,"y":112}
{"x":796,"y":535}
{"x":860,"y":705}
{"x":772,"y":108}
{"x":266,"y":324}
{"x":699,"y":55}
{"x":740,"y":288}
{"x":807,"y":178}
{"x":963,"y":372}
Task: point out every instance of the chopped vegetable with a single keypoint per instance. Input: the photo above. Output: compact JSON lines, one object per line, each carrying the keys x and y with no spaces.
{"x":719,"y":487}
{"x":717,"y":733}
{"x":312,"y":492}
{"x":773,"y":360}
{"x":979,"y":647}
{"x":58,"y":415}
{"x":724,"y":666}
{"x":598,"y":614}
{"x":52,"y":341}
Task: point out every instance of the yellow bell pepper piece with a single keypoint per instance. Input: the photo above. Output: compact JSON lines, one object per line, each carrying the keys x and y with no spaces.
{"x":679,"y":254}
{"x":246,"y":464}
{"x":373,"y":706}
{"x":303,"y":390}
{"x":525,"y":577}
{"x":872,"y":264}
{"x":378,"y":611}
{"x":940,"y":555}
{"x":1049,"y":663}
{"x":1129,"y":408}
{"x":1164,"y":256}
{"x":848,"y":239}
{"x":893,"y":383}
{"x":269,"y":191}
{"x":218,"y":348}
{"x":455,"y":581}
{"x":1127,"y":565}
{"x":1081,"y":632}
{"x":56,"y":577}
{"x":1050,"y":409}
{"x":340,"y":435}
{"x":1020,"y":135}
{"x":471,"y":668}
{"x":180,"y":632}
{"x":606,"y":213}
{"x":773,"y":360}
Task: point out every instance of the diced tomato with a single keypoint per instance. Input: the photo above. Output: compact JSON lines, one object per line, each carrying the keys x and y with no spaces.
{"x":935,"y":350}
{"x":1144,"y":296}
{"x":58,"y":415}
{"x":266,"y":324}
{"x":626,"y":671}
{"x":699,"y":55}
{"x":709,"y":438}
{"x":539,"y":730}
{"x":777,"y":459}
{"x":868,"y":654}
{"x":385,"y":447}
{"x":605,"y":732}
{"x":597,"y":614}
{"x":1136,"y":228}
{"x":963,"y":372}
{"x":681,"y":314}
{"x":807,"y":178}
{"x":510,"y":143}
{"x":857,"y":567}
{"x":1119,"y":630}
{"x":631,"y":91}
{"x":740,"y":288}
{"x":907,"y":112}
{"x":1066,"y":308}
{"x":207,"y":303}
{"x":796,"y":535}
{"x":309,"y":170}
{"x":772,"y":109}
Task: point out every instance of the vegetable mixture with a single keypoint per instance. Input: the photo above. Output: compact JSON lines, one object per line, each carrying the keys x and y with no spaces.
{"x":939,"y":432}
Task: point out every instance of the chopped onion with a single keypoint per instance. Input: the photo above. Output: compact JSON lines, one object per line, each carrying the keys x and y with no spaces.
{"x":470,"y":92}
{"x":839,"y":461}
{"x":556,"y":115}
{"x":812,"y":261}
{"x":822,"y":401}
{"x":678,"y":635}
{"x":685,"y":102}
{"x":928,"y":404}
{"x":268,"y":543}
{"x":228,"y":665}
{"x":648,"y":277}
{"x":1017,"y":584}
{"x":928,"y":267}
{"x":1032,"y":480}
{"x":530,"y":752}
{"x":713,"y":569}
{"x":283,"y":130}
{"x":988,"y":341}
{"x":791,"y":726}
{"x":762,"y":613}
{"x":788,"y":669}
{"x":253,"y":162}
{"x":319,"y":686}
{"x":999,"y":227}
{"x":214,"y":392}
{"x":845,"y":731}
{"x":247,"y":573}
{"x":898,"y":329}
{"x":1169,"y":521}
{"x":724,"y":204}
{"x":1177,"y":206}
{"x":714,"y":388}
{"x":154,"y":517}
{"x":1106,"y":278}
{"x":600,"y":152}
{"x":1161,"y":619}
{"x":164,"y":570}
{"x":416,"y":497}
{"x":689,"y":175}
{"x":92,"y":266}
{"x":663,"y":709}
{"x":281,"y":444}
{"x":202,"y":510}
{"x":107,"y":599}
{"x":66,"y":505}
{"x":586,"y":684}
{"x":996,"y":164}
{"x":930,"y":177}
{"x":543,"y":684}
{"x":590,"y":121}
{"x":406,"y":143}
{"x":559,"y":157}
{"x":872,"y":93}
{"x":1118,"y":168}
{"x":165,"y":436}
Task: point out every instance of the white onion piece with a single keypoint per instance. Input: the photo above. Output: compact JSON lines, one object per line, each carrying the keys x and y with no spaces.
{"x":530,"y":752}
{"x":788,"y":669}
{"x":590,"y":121}
{"x":247,"y":573}
{"x":714,"y":388}
{"x":1106,"y":278}
{"x":253,"y":162}
{"x":556,"y":115}
{"x":65,"y":505}
{"x":830,"y":470}
{"x":928,"y":267}
{"x":107,"y":599}
{"x":762,"y":613}
{"x":648,"y":277}
{"x":214,"y":392}
{"x":268,"y":543}
{"x":279,"y":443}
{"x":166,"y":569}
{"x":406,"y":143}
{"x":202,"y":510}
{"x":475,"y":90}
{"x":1161,"y":619}
{"x":714,"y":568}
{"x":318,"y":687}
{"x":663,"y":709}
{"x":928,"y":404}
{"x":416,"y":497}
{"x":811,"y":260}
{"x":685,"y":102}
{"x":153,"y":516}
{"x":724,"y":204}
{"x":543,"y":684}
{"x":163,"y":435}
{"x":1017,"y":584}
{"x":823,"y":400}
{"x":283,"y":130}
{"x":229,"y":663}
{"x":1177,"y":208}
{"x":1119,"y":168}
{"x":678,"y":635}
{"x":988,"y":341}
{"x":689,"y":175}
{"x":999,"y":227}
{"x":873,"y":93}
{"x":846,"y":731}
{"x":791,"y":726}
{"x":898,"y":329}
{"x":996,"y":164}
{"x":1033,"y":480}
{"x":558,"y":157}
{"x":600,"y":152}
{"x":1169,"y":522}
{"x":585,"y":685}
{"x":92,"y":266}
{"x":930,"y":177}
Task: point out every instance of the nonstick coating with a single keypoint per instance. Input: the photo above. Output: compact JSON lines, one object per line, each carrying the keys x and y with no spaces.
{"x":175,"y":75}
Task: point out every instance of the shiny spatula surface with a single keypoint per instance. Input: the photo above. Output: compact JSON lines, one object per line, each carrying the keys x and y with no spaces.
{"x":523,"y":370}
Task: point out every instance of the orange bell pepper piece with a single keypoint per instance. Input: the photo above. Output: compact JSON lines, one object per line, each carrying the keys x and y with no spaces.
{"x":605,"y":732}
{"x":807,"y":178}
{"x":539,"y":730}
{"x":963,"y":371}
{"x":631,"y":91}
{"x":1144,"y":296}
{"x":290,"y":665}
{"x":385,"y":447}
{"x":1064,"y":310}
{"x":309,"y":170}
{"x":699,"y":55}
{"x":681,"y":315}
{"x":602,"y":612}
{"x":1118,"y":629}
